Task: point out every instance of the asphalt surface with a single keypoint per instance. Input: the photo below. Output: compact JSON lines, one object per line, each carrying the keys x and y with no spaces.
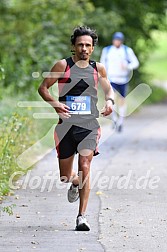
{"x":127,"y":208}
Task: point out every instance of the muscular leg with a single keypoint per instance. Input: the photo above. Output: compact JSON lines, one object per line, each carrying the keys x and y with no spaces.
{"x":120,"y":93}
{"x":84,"y":177}
{"x":122,"y":110}
{"x":122,"y":103}
{"x":66,"y":170}
{"x":114,"y":114}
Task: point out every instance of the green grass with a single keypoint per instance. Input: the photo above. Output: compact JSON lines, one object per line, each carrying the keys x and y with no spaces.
{"x":156,"y":64}
{"x":14,"y":138}
{"x":19,"y":130}
{"x":156,"y":67}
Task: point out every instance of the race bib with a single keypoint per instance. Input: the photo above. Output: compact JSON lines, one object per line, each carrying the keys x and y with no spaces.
{"x":79,"y":104}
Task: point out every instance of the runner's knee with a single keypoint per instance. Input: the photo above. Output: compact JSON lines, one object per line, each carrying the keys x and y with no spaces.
{"x":84,"y":165}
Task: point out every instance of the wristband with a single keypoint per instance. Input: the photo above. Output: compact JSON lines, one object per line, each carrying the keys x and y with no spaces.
{"x":111,"y":100}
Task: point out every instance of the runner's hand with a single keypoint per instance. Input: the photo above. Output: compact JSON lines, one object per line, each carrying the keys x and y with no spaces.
{"x":107,"y":110}
{"x":62,"y":110}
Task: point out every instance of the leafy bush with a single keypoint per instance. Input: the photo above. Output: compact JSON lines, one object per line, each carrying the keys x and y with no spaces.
{"x":15,"y":137}
{"x":158,"y":94}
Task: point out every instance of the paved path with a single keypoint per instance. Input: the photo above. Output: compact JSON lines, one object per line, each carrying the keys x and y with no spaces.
{"x":125,"y":212}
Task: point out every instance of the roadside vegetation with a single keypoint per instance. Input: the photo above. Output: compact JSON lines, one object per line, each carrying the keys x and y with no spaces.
{"x":155,"y":68}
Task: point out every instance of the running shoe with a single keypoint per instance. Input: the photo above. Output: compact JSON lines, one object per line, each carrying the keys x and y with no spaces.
{"x":73,"y":193}
{"x":82,"y":224}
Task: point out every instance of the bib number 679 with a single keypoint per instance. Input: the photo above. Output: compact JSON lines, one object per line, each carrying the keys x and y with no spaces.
{"x":78,"y":106}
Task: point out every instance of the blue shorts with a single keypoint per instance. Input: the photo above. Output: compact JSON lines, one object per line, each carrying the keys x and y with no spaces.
{"x":120,"y":88}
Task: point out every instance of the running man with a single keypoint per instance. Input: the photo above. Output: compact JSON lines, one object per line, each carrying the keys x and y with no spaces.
{"x":119,"y":61}
{"x":78,"y":130}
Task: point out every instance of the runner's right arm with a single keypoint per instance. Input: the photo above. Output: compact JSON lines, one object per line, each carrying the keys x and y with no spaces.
{"x":56,"y":72}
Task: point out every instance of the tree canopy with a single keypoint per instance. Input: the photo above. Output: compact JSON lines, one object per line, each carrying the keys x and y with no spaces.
{"x":36,"y":33}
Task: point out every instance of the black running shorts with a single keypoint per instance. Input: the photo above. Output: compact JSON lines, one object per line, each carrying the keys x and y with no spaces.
{"x":70,"y":139}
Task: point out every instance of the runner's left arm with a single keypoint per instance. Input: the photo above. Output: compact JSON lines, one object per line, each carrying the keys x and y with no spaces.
{"x":107,"y":89}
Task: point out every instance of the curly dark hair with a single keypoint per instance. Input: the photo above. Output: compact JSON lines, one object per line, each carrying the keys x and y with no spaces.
{"x":84,"y":30}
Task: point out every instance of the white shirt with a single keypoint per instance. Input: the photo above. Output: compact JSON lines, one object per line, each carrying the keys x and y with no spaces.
{"x":119,"y":63}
